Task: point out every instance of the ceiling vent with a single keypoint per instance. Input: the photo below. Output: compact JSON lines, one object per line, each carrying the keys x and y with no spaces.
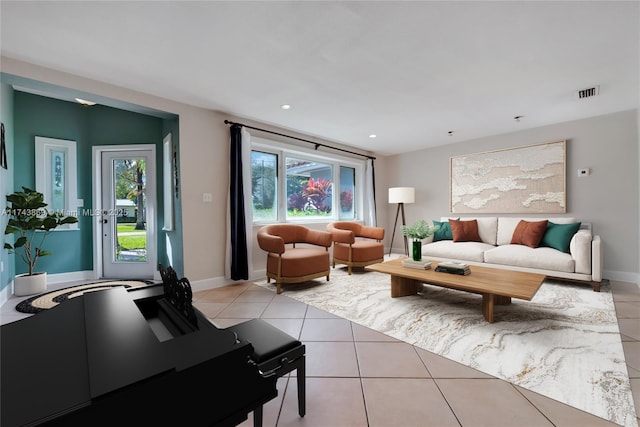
{"x":588,"y":92}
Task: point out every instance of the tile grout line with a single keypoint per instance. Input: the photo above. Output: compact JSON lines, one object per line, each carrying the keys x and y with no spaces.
{"x":355,"y":351}
{"x":435,"y":381}
{"x":513,"y":386}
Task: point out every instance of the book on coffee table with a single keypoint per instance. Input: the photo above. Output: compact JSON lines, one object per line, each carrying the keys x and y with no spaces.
{"x":453,"y":267}
{"x":420,"y":265}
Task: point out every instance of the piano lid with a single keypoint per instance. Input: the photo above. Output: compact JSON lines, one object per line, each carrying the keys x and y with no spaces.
{"x":65,"y":358}
{"x":123,"y":349}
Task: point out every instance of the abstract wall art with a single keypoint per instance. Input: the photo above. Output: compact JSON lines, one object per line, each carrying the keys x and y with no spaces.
{"x":528,"y":179}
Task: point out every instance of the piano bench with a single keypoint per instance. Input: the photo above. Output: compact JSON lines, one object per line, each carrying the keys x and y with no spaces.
{"x":275,"y":353}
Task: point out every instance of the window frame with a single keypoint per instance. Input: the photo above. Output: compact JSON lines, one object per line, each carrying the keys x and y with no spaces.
{"x":281,"y":151}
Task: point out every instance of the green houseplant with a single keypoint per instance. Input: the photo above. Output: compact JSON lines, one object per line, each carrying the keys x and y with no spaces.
{"x":418,"y":231}
{"x":31,"y":223}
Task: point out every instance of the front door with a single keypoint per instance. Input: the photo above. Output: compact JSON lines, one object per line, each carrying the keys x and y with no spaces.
{"x":127,"y":213}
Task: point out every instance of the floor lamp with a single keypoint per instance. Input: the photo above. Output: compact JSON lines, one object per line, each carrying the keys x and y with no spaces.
{"x":401,"y":195}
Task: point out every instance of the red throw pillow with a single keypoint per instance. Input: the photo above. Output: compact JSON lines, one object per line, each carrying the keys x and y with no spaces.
{"x":529,"y":233}
{"x":465,"y":231}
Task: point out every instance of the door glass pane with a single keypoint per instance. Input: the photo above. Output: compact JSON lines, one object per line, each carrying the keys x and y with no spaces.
{"x":309,"y":188}
{"x":347,"y":192}
{"x":264,"y":184}
{"x":129,"y":215}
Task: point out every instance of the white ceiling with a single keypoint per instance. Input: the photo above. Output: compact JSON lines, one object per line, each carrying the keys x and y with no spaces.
{"x":409,"y":72}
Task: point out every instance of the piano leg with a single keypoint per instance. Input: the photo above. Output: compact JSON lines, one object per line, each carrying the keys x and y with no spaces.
{"x":268,"y":340}
{"x":301,"y":380}
{"x":257,"y":417}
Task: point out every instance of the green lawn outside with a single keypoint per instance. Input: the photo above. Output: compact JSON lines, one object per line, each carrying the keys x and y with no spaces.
{"x":127,"y":227}
{"x":132,"y":242}
{"x":130,"y":238}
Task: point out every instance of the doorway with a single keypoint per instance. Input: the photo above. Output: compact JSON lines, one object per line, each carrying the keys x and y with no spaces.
{"x":125,"y":211}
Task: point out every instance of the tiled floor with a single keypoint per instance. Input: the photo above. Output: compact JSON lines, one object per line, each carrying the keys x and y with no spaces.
{"x":359,"y":377}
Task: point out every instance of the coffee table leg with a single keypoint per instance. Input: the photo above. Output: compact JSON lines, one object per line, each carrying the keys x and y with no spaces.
{"x":501,"y":300}
{"x":488,"y":300}
{"x":402,"y":287}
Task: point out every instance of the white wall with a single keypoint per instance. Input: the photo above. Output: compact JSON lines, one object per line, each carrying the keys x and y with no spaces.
{"x":609,"y":198}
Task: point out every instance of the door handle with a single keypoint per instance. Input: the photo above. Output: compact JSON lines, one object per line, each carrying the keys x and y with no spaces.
{"x":104,"y":221}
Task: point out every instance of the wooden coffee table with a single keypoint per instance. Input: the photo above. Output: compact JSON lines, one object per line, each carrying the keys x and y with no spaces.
{"x":497,"y":286}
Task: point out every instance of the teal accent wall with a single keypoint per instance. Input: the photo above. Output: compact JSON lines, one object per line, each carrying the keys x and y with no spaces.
{"x":6,"y":181}
{"x":39,"y":116}
{"x":172,"y":248}
{"x":89,"y":126}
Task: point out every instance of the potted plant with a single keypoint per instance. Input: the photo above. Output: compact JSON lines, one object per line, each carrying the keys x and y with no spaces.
{"x":418,"y":231}
{"x":31,"y":223}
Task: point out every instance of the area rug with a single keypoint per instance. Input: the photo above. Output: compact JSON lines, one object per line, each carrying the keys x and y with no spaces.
{"x":564,"y":344}
{"x":51,"y":299}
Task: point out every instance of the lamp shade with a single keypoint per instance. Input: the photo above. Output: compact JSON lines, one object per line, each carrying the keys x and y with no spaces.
{"x":402,"y":195}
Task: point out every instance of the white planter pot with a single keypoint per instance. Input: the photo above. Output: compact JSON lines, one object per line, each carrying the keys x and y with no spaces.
{"x":23,"y":284}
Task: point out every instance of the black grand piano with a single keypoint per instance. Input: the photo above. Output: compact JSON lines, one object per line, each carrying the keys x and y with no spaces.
{"x":127,"y":358}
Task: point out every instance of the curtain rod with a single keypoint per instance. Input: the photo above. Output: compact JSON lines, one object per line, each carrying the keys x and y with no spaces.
{"x":317,"y":144}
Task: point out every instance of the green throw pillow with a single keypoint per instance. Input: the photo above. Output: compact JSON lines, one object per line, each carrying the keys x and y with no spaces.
{"x":443,"y":232}
{"x":558,"y":236}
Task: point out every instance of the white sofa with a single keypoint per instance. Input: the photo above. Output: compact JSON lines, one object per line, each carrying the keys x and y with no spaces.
{"x":582,"y":263}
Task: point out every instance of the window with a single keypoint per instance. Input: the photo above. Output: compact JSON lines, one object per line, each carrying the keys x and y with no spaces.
{"x":264,"y":182}
{"x":309,"y":190}
{"x":347,"y":190}
{"x":56,"y":176}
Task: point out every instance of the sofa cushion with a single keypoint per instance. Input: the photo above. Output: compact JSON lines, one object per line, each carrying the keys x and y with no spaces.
{"x":558,"y":236}
{"x":464,"y":251}
{"x":443,"y":232}
{"x":363,"y":250}
{"x":529,"y":233}
{"x":487,"y":227}
{"x":465,"y":231}
{"x":524,"y":256}
{"x":507,"y":225}
{"x":297,"y":262}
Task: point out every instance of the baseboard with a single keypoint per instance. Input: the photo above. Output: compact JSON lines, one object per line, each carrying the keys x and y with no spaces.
{"x":219,"y":282}
{"x":205,"y":284}
{"x":6,"y":293}
{"x":622,"y":276}
{"x":71,"y":276}
{"x":198,"y":285}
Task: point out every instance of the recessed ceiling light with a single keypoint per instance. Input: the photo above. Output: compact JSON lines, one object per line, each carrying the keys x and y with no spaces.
{"x":373,"y":135}
{"x":285,"y":106}
{"x":450,"y":133}
{"x":517,"y":118}
{"x":85,"y":102}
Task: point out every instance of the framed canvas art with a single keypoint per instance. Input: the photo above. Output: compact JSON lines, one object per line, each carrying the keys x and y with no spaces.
{"x":528,"y":179}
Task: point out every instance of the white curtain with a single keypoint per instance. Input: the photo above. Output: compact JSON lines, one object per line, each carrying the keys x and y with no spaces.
{"x":369,"y":195}
{"x":248,"y":203}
